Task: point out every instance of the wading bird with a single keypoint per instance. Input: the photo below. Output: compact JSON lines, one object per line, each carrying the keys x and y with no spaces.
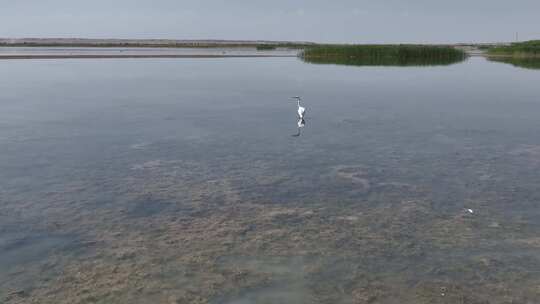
{"x":301,"y":110}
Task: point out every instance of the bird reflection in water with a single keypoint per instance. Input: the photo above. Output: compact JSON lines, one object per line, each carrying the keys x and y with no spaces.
{"x":301,"y":123}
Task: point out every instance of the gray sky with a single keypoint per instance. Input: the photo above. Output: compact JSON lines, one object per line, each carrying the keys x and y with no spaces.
{"x":375,"y":21}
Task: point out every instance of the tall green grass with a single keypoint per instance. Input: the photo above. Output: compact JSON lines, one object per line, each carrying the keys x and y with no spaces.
{"x":518,"y":49}
{"x":403,"y":54}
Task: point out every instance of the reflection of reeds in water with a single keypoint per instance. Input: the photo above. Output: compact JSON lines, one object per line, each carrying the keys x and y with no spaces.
{"x":383,"y":55}
{"x":527,"y":63}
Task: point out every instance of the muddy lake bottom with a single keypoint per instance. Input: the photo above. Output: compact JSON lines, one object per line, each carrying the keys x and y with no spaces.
{"x":179,"y":181}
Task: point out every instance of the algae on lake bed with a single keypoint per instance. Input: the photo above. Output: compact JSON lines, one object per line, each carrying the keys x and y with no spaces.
{"x":222,"y":247}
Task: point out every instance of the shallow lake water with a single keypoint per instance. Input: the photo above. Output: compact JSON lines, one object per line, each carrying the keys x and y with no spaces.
{"x":180,"y":181}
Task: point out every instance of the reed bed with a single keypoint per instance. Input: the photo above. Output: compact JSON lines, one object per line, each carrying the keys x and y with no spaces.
{"x":401,"y":55}
{"x":518,"y":49}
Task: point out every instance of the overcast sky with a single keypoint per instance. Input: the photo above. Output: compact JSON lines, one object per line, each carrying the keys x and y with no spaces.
{"x":375,"y":21}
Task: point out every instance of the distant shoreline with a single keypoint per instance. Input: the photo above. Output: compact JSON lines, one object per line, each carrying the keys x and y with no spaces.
{"x":144,"y":43}
{"x":35,"y":48}
{"x":182,"y":43}
{"x":133,"y":56}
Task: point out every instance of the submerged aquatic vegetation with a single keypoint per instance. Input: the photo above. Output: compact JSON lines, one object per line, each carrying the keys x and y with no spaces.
{"x":392,"y":55}
{"x":519,"y":49}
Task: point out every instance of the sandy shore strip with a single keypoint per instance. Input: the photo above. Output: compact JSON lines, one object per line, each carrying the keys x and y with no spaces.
{"x":81,"y":53}
{"x":5,"y":57}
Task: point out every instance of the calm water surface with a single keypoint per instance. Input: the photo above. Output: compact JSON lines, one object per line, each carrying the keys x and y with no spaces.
{"x":178,"y":181}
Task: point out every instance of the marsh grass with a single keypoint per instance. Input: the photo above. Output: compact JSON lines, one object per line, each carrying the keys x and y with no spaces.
{"x":392,"y":55}
{"x":519,"y":49}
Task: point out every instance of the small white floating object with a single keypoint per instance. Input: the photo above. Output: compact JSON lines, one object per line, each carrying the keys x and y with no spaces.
{"x":470,"y":211}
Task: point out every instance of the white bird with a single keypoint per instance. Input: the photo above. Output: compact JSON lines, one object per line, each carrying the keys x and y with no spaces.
{"x":301,"y":110}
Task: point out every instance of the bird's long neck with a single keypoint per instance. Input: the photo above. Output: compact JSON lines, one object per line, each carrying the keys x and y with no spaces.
{"x":298,"y":100}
